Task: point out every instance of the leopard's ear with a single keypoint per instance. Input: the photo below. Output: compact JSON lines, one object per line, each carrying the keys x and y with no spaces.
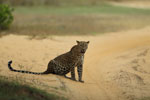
{"x":77,"y":41}
{"x":88,"y":42}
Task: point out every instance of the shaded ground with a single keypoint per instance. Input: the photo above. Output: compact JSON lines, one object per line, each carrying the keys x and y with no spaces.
{"x":116,"y":64}
{"x":15,"y":91}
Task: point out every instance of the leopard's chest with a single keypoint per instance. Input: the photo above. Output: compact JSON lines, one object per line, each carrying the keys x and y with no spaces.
{"x":80,"y":61}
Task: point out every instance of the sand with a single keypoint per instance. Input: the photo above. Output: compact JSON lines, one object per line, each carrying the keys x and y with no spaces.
{"x":116,"y":66}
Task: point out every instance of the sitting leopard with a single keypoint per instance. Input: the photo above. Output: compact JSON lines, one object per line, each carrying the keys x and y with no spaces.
{"x":65,"y":63}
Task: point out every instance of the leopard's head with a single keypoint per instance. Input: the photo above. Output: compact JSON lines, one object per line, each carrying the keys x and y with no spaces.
{"x":82,"y":45}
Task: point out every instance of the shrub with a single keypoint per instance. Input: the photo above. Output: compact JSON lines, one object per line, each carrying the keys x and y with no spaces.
{"x":6,"y":16}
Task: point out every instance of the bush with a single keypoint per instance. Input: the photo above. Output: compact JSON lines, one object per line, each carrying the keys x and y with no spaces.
{"x":6,"y":16}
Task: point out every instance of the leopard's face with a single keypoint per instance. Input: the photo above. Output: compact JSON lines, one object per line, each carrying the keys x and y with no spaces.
{"x":82,"y":45}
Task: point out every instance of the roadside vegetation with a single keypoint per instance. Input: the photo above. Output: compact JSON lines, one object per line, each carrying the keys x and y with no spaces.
{"x":68,"y":19}
{"x":55,"y":2}
{"x":15,"y":91}
{"x":6,"y":17}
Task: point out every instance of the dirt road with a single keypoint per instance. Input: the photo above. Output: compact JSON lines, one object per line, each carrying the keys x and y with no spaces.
{"x":116,"y":67}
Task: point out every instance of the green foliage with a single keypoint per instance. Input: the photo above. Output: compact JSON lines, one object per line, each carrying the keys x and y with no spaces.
{"x":6,"y":16}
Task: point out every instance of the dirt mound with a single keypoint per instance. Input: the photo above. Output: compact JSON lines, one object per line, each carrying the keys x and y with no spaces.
{"x":116,"y":65}
{"x":131,"y":73}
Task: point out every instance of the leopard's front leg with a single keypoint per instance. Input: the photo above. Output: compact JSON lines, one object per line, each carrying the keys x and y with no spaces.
{"x":80,"y":70}
{"x":73,"y":74}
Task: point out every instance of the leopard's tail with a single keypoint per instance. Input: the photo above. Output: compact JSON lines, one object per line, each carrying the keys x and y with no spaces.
{"x":22,"y":71}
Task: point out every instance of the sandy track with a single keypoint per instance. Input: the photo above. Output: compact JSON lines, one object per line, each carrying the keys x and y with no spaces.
{"x":116,"y":65}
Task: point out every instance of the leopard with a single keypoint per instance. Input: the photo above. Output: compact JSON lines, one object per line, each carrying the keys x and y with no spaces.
{"x":64,"y":63}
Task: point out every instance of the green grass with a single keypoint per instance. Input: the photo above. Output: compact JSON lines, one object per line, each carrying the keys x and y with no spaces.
{"x":77,"y":20}
{"x":15,"y":91}
{"x":103,"y":8}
